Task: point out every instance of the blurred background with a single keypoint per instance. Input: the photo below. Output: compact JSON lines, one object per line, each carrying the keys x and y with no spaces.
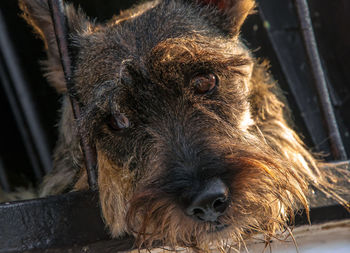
{"x":29,"y":106}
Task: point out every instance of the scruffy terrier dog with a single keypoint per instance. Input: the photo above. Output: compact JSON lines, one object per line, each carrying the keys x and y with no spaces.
{"x":191,"y":131}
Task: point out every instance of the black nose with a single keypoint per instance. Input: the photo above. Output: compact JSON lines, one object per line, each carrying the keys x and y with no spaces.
{"x":210,"y":203}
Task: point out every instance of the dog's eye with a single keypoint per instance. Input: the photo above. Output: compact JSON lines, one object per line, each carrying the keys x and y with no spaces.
{"x":204,"y":83}
{"x":118,"y":121}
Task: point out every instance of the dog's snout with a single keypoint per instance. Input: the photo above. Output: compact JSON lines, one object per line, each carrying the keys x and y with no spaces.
{"x":210,"y":203}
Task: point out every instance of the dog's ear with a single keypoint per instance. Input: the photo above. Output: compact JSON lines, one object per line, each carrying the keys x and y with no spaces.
{"x":233,"y":13}
{"x":37,"y":14}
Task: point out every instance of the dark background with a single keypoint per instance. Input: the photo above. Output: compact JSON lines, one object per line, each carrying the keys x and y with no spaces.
{"x":331,"y":21}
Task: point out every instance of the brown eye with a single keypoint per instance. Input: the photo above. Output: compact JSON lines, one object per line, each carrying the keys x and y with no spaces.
{"x":204,"y":83}
{"x":118,"y":121}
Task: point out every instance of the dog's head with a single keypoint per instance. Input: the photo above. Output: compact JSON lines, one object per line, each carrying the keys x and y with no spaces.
{"x":192,"y":144}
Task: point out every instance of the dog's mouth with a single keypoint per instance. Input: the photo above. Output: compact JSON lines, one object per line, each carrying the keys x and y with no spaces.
{"x":218,"y":227}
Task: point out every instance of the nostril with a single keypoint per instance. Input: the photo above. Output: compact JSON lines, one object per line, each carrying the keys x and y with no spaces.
{"x":199,"y":213}
{"x":196,"y":212}
{"x":220,"y":205}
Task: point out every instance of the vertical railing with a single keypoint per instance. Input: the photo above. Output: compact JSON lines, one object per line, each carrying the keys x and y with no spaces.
{"x":22,"y":106}
{"x":61,"y":32}
{"x":318,"y":73}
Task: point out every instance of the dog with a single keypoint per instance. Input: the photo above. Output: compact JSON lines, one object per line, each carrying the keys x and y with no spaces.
{"x":193,"y":136}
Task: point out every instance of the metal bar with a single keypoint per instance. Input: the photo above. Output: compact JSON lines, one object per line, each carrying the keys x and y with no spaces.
{"x":72,"y":223}
{"x":22,"y":104}
{"x":20,"y":121}
{"x":290,"y":63}
{"x":54,"y":222}
{"x":60,"y":26}
{"x":4,"y":183}
{"x":337,"y":146}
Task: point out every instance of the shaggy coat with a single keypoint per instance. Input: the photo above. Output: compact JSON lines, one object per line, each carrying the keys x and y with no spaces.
{"x":161,"y":132}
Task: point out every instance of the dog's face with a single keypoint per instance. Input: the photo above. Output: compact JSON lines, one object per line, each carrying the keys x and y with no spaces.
{"x":162,"y":93}
{"x":192,"y":145}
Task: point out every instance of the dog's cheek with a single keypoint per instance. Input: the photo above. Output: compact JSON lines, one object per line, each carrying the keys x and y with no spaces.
{"x":254,"y":206}
{"x":115,"y":188}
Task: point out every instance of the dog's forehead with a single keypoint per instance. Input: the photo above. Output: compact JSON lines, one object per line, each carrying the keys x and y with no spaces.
{"x":137,"y":35}
{"x":135,"y":32}
{"x":104,"y":49}
{"x":162,"y":32}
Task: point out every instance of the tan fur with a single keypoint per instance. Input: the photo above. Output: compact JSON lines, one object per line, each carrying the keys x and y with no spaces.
{"x":115,"y":188}
{"x":36,"y":15}
{"x":240,"y":10}
{"x":235,"y":10}
{"x":133,"y":12}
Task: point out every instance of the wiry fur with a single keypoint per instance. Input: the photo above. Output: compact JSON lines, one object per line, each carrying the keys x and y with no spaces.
{"x":140,"y":64}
